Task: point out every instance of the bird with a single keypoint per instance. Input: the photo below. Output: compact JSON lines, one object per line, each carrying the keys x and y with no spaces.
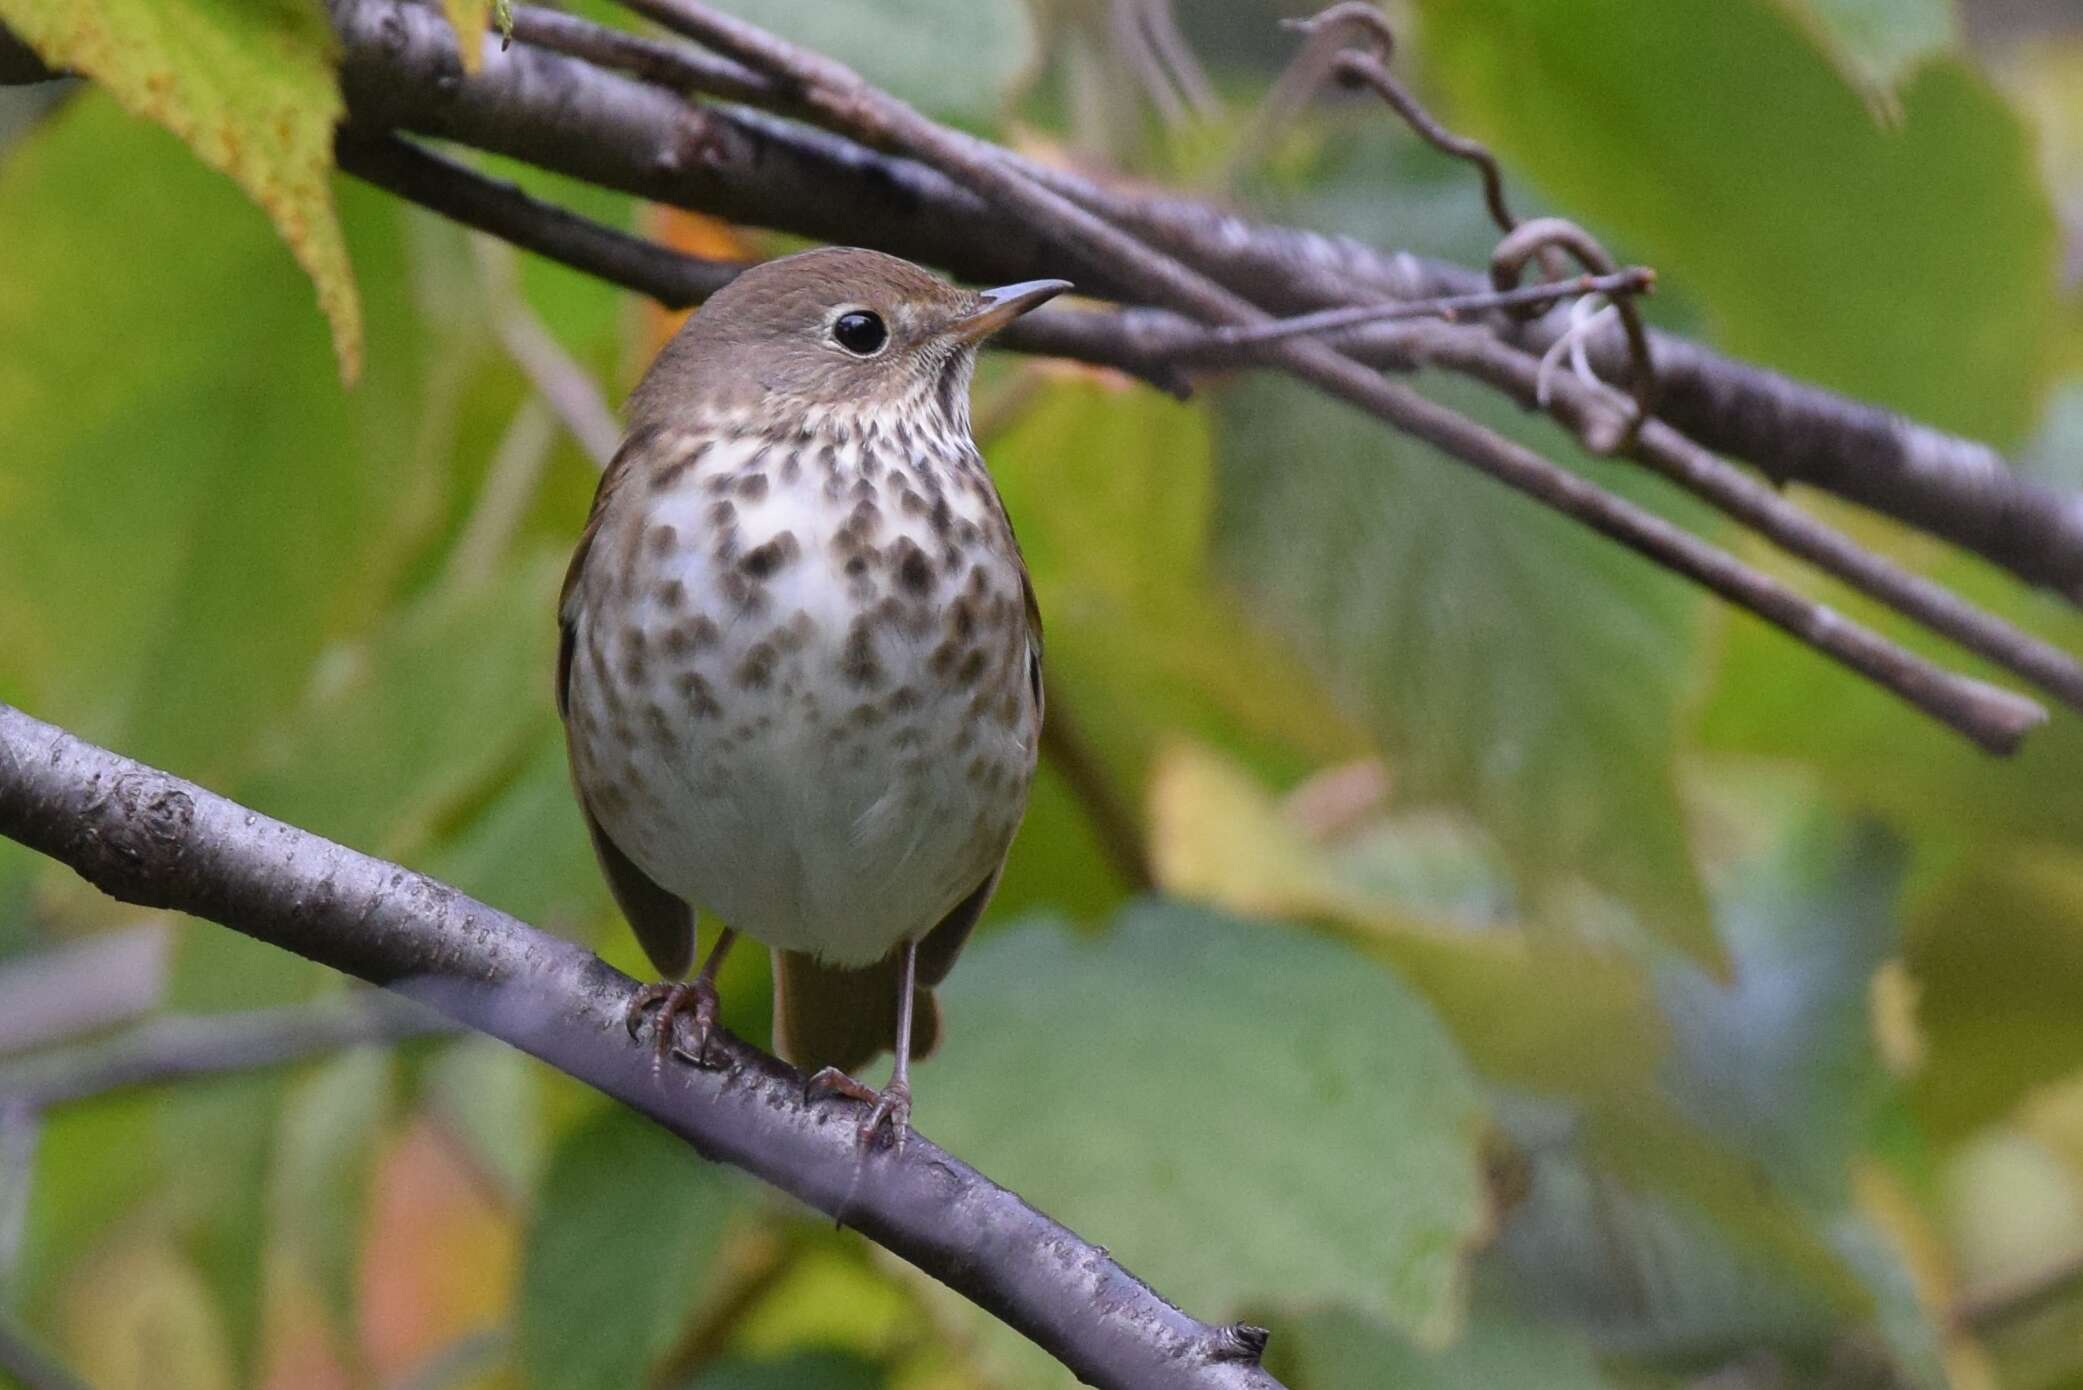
{"x":800,"y":659}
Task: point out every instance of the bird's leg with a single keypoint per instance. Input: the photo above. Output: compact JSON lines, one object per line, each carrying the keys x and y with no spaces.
{"x":893,"y":1102}
{"x":673,"y":998}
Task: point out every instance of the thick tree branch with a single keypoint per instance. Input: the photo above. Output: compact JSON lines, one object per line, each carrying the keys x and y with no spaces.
{"x":401,"y":71}
{"x":147,"y":837}
{"x":678,"y":280}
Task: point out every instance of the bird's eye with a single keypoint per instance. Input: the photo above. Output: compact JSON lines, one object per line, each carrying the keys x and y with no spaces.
{"x":860,"y":332}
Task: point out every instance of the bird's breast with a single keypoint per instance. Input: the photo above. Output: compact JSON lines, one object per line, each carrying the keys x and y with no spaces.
{"x":803,"y":693}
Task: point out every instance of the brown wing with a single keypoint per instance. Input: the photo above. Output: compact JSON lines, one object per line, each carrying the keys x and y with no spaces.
{"x":663,"y":923}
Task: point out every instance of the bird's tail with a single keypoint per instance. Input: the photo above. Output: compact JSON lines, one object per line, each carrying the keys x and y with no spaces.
{"x":833,"y":1016}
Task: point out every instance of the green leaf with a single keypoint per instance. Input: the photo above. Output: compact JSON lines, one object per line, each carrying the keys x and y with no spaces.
{"x":1717,"y":141}
{"x":94,"y":1164}
{"x":1778,"y":1061}
{"x":484,"y":1093}
{"x":1335,"y":1348}
{"x":1238,"y":1113}
{"x":954,"y":59}
{"x":248,"y":85}
{"x":626,"y":1227}
{"x":221,"y":1132}
{"x":1995,"y":945}
{"x":418,"y":727}
{"x":1875,"y":42}
{"x":805,"y":1370}
{"x":1512,"y":663}
{"x":1112,"y":491}
{"x":1655,"y":1242}
{"x":198,"y":508}
{"x":318,"y":1192}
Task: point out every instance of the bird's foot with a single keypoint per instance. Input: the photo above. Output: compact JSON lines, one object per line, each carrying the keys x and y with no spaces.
{"x":892,"y":1104}
{"x":694,"y":1000}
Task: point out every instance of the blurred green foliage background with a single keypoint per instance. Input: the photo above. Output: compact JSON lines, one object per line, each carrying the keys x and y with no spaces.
{"x":1556,"y":981}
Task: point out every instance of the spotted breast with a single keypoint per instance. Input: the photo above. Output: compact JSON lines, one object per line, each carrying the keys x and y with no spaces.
{"x":816,"y":707}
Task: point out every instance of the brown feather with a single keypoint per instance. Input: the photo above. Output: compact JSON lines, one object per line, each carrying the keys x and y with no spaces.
{"x":663,"y":923}
{"x":829,"y":1016}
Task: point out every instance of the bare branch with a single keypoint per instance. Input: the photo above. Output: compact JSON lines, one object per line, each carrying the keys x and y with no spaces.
{"x":565,"y":386}
{"x":147,"y":837}
{"x":31,"y":1367}
{"x":1956,"y":489}
{"x":400,"y":70}
{"x":1150,"y":343}
{"x":511,"y":479}
{"x":1741,"y":496}
{"x":832,"y":93}
{"x":676,"y":279}
{"x":176,"y":1047}
{"x":21,"y":1127}
{"x":82,"y":987}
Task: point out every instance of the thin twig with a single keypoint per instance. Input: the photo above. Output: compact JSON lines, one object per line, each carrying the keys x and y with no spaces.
{"x":669,"y":65}
{"x":176,"y":1047}
{"x":1359,"y":67}
{"x":565,"y":386}
{"x":150,"y":838}
{"x":1323,"y":40}
{"x":502,"y":499}
{"x":82,"y":987}
{"x":1161,"y":26}
{"x":1739,"y":495}
{"x":833,"y":94}
{"x":464,"y":195}
{"x":1216,"y":342}
{"x":1132,"y":43}
{"x":1531,"y":239}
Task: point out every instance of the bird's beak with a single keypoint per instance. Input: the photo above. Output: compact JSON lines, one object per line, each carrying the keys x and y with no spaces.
{"x":1001,"y":306}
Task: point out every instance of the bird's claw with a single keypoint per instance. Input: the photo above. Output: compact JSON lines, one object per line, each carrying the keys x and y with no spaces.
{"x":694,"y":1000}
{"x":892,"y":1104}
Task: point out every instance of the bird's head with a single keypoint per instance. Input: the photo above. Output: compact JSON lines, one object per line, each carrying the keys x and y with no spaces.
{"x":838,"y":329}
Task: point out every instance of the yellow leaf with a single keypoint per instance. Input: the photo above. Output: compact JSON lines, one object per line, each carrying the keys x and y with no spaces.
{"x":248,"y":85}
{"x":1892,"y":1001}
{"x":470,"y":19}
{"x":140,"y":1318}
{"x":1219,"y":837}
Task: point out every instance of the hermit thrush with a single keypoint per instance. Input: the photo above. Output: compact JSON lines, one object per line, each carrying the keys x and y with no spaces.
{"x":800,"y":668}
